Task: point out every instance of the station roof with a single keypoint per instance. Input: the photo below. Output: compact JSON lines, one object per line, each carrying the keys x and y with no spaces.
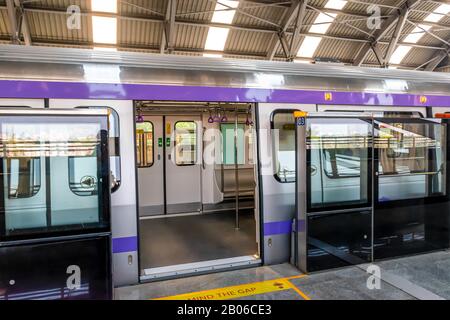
{"x":407,"y":34}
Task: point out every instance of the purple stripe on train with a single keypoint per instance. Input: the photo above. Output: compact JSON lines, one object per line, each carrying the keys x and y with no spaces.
{"x":283,"y":227}
{"x":125,"y":244}
{"x":81,"y":90}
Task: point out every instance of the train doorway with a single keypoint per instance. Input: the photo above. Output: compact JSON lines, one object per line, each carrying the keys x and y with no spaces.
{"x":197,"y":188}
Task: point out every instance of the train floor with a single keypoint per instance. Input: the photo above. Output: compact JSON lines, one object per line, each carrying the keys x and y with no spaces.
{"x":424,"y":276}
{"x":196,"y":238}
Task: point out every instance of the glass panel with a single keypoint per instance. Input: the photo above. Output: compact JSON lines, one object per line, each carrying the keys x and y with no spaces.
{"x":144,"y":144}
{"x":283,"y":124}
{"x":411,"y":158}
{"x":412,"y":207}
{"x":185,"y":143}
{"x":228,"y":154}
{"x":114,"y":146}
{"x":339,"y":162}
{"x":41,"y":192}
{"x":24,"y":177}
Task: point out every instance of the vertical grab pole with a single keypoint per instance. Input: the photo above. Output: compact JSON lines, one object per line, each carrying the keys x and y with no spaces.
{"x":236,"y":172}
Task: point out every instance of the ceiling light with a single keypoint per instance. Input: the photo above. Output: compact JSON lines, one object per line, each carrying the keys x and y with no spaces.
{"x":216,"y":38}
{"x":399,"y":54}
{"x":104,"y":30}
{"x":222,"y":13}
{"x":104,"y":6}
{"x":336,"y":4}
{"x":309,"y":46}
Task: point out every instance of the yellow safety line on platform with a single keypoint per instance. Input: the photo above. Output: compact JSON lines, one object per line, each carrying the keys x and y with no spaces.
{"x":243,"y":290}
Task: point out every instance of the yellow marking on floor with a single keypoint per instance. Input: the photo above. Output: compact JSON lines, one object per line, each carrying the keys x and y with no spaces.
{"x":239,"y":291}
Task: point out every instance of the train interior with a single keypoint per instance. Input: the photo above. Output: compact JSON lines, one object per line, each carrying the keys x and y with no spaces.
{"x":189,"y":157}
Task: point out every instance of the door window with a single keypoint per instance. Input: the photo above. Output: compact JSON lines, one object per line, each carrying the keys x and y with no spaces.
{"x":339,"y":162}
{"x":185,"y":143}
{"x":144,"y":144}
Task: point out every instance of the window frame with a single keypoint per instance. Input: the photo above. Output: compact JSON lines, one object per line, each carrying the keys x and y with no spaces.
{"x":175,"y":144}
{"x":76,"y":229}
{"x":116,"y":145}
{"x":272,"y":127}
{"x":153,"y":145}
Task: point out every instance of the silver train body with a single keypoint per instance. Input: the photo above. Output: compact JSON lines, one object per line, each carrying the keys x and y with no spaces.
{"x":267,"y":86}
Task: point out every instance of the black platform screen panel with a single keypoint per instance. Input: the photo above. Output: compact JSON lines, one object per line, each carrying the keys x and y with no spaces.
{"x":412,"y":205}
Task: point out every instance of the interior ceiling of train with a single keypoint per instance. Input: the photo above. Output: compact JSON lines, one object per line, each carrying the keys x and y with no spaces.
{"x":407,"y":34}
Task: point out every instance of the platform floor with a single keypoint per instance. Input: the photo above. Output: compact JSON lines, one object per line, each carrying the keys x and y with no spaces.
{"x":195,"y":238}
{"x":425,"y":276}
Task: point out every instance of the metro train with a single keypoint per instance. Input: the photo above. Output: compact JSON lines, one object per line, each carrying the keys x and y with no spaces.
{"x":202,"y":150}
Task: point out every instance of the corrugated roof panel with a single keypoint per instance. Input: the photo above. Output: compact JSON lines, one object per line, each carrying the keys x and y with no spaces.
{"x":190,"y":37}
{"x":84,"y":5}
{"x":139,"y":33}
{"x":5,"y":28}
{"x":418,"y":56}
{"x":153,"y":8}
{"x":422,"y":10}
{"x":195,"y":10}
{"x":253,"y":14}
{"x":247,"y":41}
{"x":336,"y":49}
{"x":53,"y":26}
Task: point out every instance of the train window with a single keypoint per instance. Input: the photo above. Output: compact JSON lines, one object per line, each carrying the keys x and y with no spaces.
{"x":411,"y":158}
{"x":228,"y":145}
{"x":114,"y":147}
{"x":82,"y":171}
{"x":47,"y":162}
{"x":24,"y":177}
{"x":144,"y":144}
{"x":283,"y":126}
{"x":185,"y":143}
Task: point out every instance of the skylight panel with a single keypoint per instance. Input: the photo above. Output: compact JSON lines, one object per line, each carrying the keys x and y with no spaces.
{"x":321,"y":25}
{"x":438,"y":13}
{"x":308,"y":47}
{"x":216,"y":38}
{"x":416,"y":34}
{"x":104,"y":30}
{"x":336,"y":4}
{"x":221,"y":14}
{"x":399,"y":54}
{"x":104,"y":6}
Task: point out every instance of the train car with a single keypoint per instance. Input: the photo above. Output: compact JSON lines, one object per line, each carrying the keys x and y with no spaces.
{"x":202,"y":150}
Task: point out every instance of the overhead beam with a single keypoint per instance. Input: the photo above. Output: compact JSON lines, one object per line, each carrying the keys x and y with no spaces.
{"x":295,"y":39}
{"x":18,"y":22}
{"x":23,"y":22}
{"x":386,"y":26}
{"x":168,"y":35}
{"x":280,"y":37}
{"x":395,"y":36}
{"x":13,"y":21}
